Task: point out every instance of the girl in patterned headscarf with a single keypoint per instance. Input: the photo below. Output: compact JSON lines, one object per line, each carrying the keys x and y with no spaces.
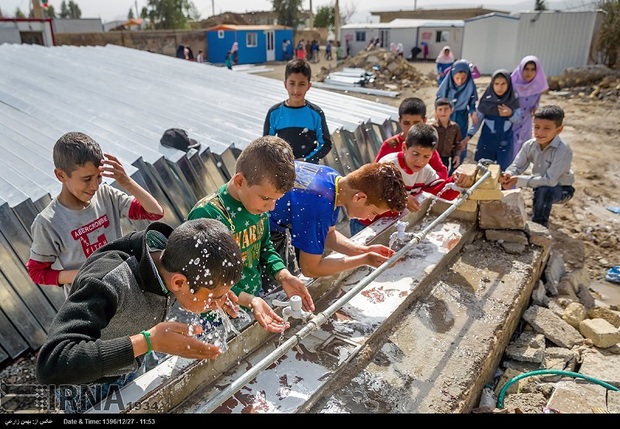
{"x":529,"y":82}
{"x":498,"y":110}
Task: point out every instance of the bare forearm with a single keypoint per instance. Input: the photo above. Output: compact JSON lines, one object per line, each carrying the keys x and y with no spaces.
{"x":146,"y":200}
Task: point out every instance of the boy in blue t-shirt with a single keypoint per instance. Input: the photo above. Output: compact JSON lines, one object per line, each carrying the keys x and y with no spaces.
{"x":305,"y":217}
{"x":301,"y":123}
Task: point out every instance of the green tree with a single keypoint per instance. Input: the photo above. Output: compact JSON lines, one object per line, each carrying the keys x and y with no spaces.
{"x":50,"y":12}
{"x":609,"y":36}
{"x":64,"y":10}
{"x":324,"y":17}
{"x":130,"y":14}
{"x":19,"y":13}
{"x":540,"y":5}
{"x":74,"y":10}
{"x":168,"y":14}
{"x":288,"y":11}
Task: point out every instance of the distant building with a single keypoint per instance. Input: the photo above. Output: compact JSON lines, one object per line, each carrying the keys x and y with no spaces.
{"x":77,"y":25}
{"x":444,"y":14}
{"x":410,"y":32}
{"x":31,"y":31}
{"x":559,"y":39}
{"x":257,"y":43}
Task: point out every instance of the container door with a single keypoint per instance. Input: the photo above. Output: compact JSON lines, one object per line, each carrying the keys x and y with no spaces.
{"x":271,"y":52}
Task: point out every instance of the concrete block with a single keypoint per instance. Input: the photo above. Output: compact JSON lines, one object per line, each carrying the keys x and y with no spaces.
{"x":491,"y":182}
{"x":486,"y":194}
{"x":605,"y":313}
{"x":552,"y":326}
{"x":602,"y":333}
{"x":507,"y":213}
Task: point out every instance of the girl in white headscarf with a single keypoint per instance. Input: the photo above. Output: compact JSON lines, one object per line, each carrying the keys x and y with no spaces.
{"x":444,"y":60}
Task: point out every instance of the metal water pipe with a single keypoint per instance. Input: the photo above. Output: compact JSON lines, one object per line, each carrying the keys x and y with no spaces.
{"x":322,"y":317}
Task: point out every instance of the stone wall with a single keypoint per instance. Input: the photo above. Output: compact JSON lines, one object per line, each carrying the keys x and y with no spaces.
{"x":161,"y":41}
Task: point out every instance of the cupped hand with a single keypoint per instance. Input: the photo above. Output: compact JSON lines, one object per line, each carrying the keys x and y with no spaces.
{"x":295,"y":286}
{"x":179,"y":339}
{"x":267,"y":318}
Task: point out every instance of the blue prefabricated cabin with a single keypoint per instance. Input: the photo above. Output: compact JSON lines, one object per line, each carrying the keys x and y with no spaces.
{"x":257,"y":43}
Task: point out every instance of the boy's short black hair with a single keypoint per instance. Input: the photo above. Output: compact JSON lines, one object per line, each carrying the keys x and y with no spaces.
{"x":412,"y":106}
{"x":422,"y":135}
{"x":297,"y":65}
{"x":550,"y":113}
{"x":443,"y":101}
{"x":205,"y":252}
{"x":75,"y":149}
{"x":270,"y":158}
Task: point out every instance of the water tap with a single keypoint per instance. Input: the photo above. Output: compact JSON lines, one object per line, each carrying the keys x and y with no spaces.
{"x":400,"y":236}
{"x":454,"y":187}
{"x":292,"y":308}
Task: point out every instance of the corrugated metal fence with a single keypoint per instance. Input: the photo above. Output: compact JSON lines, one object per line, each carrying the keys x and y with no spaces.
{"x":125,"y":99}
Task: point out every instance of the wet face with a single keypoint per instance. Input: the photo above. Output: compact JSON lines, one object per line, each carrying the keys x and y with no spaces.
{"x":529,"y":71}
{"x":81,"y":185}
{"x":416,"y":157}
{"x":365,"y":211}
{"x":297,"y":85}
{"x":443,"y":113}
{"x":545,"y":131}
{"x":258,"y":199}
{"x":201,"y":299}
{"x":408,"y":121}
{"x":459,"y":78}
{"x":500,"y":85}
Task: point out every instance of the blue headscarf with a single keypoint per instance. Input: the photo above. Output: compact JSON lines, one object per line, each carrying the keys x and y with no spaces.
{"x":462,"y":95}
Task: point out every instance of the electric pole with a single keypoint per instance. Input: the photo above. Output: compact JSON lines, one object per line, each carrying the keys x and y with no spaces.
{"x":37,"y":10}
{"x":336,"y":21}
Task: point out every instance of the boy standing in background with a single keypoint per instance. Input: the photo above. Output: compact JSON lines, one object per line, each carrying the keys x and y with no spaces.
{"x":301,"y":123}
{"x":449,"y":135}
{"x":411,"y":111}
{"x":86,"y":214}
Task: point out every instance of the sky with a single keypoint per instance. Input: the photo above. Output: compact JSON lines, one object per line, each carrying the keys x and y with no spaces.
{"x":111,"y":10}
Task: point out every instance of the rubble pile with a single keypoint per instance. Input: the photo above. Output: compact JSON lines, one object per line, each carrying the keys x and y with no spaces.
{"x":391,"y":71}
{"x":594,"y":81}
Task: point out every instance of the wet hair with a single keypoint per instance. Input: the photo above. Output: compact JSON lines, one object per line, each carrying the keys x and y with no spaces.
{"x":443,"y":101}
{"x":382,"y":183}
{"x":205,"y":252}
{"x":422,"y":135}
{"x":550,"y":113}
{"x":74,"y":149}
{"x":412,"y":106}
{"x":268,"y":158}
{"x":297,"y":65}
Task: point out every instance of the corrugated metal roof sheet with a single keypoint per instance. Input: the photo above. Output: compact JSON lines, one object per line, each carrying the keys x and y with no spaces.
{"x":409,"y":23}
{"x":125,"y":99}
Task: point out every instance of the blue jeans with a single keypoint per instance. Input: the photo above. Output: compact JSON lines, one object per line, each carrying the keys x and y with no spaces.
{"x":355,"y":226}
{"x":545,"y":197}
